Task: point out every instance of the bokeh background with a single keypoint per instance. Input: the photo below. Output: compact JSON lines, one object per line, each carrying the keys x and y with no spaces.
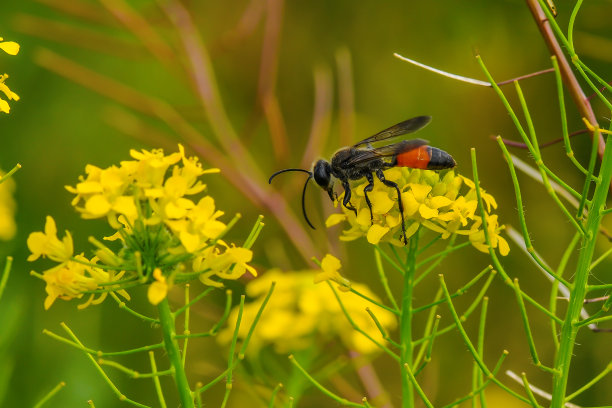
{"x":59,"y":126}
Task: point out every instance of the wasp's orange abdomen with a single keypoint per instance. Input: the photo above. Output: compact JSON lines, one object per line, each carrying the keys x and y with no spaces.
{"x":416,"y":158}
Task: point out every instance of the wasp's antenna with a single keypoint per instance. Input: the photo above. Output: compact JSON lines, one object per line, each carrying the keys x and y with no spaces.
{"x":303,"y":191}
{"x":304,"y":200}
{"x":285,"y":170}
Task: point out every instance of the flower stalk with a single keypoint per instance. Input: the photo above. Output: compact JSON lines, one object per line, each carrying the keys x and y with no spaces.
{"x":174,"y":355}
{"x":569,"y":328}
{"x":406,"y":323}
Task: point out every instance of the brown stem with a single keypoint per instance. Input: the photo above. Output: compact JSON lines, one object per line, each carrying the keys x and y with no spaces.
{"x":346,"y":97}
{"x":321,"y":120}
{"x":267,"y":79}
{"x":140,"y":27}
{"x":581,"y":101}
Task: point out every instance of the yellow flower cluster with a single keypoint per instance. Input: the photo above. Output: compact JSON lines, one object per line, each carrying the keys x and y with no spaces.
{"x":11,"y":48}
{"x":166,"y":236}
{"x":442,"y":202}
{"x":300,"y":314}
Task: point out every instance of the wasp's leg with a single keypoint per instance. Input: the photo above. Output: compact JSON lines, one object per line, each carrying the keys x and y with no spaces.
{"x":381,"y":177}
{"x":347,"y":197}
{"x":366,"y":190}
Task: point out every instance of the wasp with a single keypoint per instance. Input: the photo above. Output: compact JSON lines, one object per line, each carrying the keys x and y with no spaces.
{"x":363,"y":160}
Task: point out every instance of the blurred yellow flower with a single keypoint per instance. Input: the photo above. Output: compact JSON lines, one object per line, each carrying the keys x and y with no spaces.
{"x":47,"y":244}
{"x":301,"y":315}
{"x":431,"y":199}
{"x":8,"y":227}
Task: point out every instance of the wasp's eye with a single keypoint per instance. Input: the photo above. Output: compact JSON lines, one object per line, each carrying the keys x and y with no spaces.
{"x":322,"y":173}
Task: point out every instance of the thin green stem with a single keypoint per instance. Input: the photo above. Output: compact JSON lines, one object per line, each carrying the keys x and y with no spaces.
{"x":338,"y":399}
{"x":521,"y":214}
{"x":359,"y":329}
{"x":552,"y":303}
{"x":490,"y":379}
{"x":530,"y":341}
{"x":10,"y":173}
{"x":172,"y":350}
{"x":5,"y":274}
{"x":156,"y":382}
{"x":461,"y":290}
{"x":439,"y":258}
{"x":539,"y":161}
{"x":226,"y":312}
{"x":374,"y":302}
{"x":532,"y":399}
{"x":427,"y":347}
{"x":113,"y":387}
{"x":588,"y":385}
{"x":471,"y":347}
{"x":186,"y":327}
{"x":388,"y":259}
{"x":247,"y":339}
{"x":478,"y":380}
{"x":380,"y":327}
{"x":383,"y":278}
{"x":229,"y":378}
{"x":142,"y":317}
{"x":564,"y":129}
{"x":274,"y":393}
{"x":406,"y":315}
{"x":416,"y":386}
{"x":192,"y":302}
{"x":50,"y":394}
{"x":581,"y":67}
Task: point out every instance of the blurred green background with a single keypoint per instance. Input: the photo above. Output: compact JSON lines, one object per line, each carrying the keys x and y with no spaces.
{"x":59,"y":126}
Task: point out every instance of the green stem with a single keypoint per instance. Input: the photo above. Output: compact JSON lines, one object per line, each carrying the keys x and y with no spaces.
{"x":406,"y":324}
{"x":174,"y":355}
{"x":569,"y":329}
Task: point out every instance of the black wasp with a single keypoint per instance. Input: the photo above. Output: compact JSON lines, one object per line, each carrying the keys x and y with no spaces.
{"x":363,"y":160}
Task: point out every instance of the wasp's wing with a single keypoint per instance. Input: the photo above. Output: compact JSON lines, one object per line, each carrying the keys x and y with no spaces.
{"x":394,"y":149}
{"x":407,"y":126}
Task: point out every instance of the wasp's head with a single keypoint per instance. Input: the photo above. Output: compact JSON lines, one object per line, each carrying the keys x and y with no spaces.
{"x":322,"y":174}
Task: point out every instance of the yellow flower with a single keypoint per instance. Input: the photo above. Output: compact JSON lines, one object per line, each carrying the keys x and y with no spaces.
{"x":477,"y":236}
{"x":104,"y":192}
{"x":71,"y":279}
{"x":150,"y":167}
{"x":199,"y":225}
{"x":158,"y":289}
{"x":430,"y":199}
{"x":301,"y":315}
{"x":11,"y":48}
{"x":229,"y":264}
{"x":47,"y":244}
{"x":330,"y":266}
{"x":4,"y":106}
